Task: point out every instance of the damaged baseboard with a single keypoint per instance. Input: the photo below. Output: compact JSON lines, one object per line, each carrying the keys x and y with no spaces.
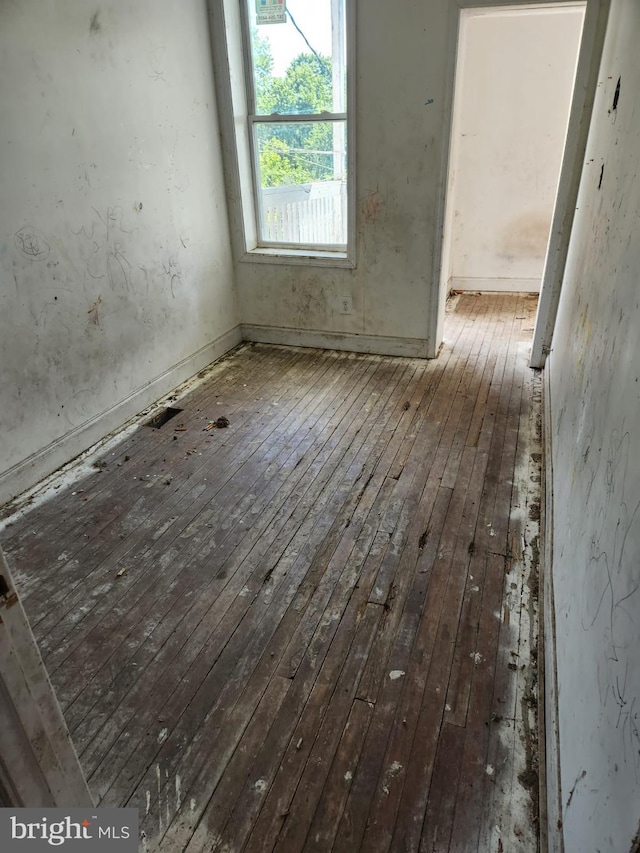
{"x":346,"y":341}
{"x":496,"y":285}
{"x":44,"y":462}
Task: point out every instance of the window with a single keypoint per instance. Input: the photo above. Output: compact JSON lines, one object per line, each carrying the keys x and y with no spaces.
{"x":298,"y":127}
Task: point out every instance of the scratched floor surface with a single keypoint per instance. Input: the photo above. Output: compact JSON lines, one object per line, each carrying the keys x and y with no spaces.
{"x":314,"y":628}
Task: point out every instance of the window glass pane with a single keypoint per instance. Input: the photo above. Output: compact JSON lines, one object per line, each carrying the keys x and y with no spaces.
{"x":303,"y":182}
{"x":299,"y":65}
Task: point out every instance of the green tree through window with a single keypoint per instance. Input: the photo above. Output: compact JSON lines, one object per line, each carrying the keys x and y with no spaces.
{"x":300,"y":152}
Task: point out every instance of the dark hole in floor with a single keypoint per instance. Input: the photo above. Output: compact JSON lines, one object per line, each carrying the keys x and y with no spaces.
{"x":162,"y":417}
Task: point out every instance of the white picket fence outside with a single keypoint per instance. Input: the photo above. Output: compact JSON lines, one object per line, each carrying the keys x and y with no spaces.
{"x":306,"y":213}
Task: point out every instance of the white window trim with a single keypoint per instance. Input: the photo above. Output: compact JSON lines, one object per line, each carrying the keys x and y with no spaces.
{"x":232,"y":66}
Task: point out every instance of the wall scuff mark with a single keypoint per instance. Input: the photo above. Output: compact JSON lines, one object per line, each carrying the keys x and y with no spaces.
{"x":372,"y":207}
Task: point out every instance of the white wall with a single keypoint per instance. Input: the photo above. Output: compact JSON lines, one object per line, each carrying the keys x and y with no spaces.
{"x":401,"y":65}
{"x":594,"y":373}
{"x":514,"y":84}
{"x":404,"y":65}
{"x":116,"y":276}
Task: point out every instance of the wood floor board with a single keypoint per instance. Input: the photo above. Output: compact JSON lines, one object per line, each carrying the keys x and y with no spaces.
{"x":234,"y":590}
{"x":433,"y":652}
{"x":378,"y":775}
{"x":108,"y":494}
{"x":150,"y":510}
{"x":410,"y":816}
{"x":438,"y":820}
{"x":470,"y":790}
{"x":419,"y":533}
{"x":166,"y":452}
{"x":307,"y":760}
{"x":257,"y":542}
{"x":484,"y":540}
{"x":336,"y":788}
{"x":342,"y":494}
{"x":311,"y":630}
{"x":430,"y":449}
{"x":197,"y":523}
{"x":507,"y":808}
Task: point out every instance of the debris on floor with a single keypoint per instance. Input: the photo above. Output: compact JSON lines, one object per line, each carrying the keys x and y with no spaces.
{"x":219,"y":423}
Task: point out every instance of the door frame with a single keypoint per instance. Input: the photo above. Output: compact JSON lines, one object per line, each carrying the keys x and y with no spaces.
{"x":592,"y":40}
{"x":39,"y":766}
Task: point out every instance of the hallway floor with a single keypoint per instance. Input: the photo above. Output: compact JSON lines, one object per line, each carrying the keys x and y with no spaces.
{"x":314,"y":628}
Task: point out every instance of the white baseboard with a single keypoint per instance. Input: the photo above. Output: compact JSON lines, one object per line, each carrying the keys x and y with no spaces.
{"x":496,"y":285}
{"x":552,"y":839}
{"x":347,"y":341}
{"x":44,"y":462}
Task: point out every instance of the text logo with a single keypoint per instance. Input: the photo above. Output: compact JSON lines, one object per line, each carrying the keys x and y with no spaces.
{"x":36,"y":830}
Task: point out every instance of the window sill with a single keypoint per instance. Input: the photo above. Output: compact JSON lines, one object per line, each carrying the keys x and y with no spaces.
{"x":300,"y":257}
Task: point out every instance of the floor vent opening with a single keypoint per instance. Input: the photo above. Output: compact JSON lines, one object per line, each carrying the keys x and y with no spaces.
{"x":162,"y":417}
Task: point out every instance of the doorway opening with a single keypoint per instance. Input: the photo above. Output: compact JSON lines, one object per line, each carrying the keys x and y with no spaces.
{"x":514,"y":80}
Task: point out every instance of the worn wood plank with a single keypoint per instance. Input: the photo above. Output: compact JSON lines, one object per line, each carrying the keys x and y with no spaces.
{"x":108,"y":495}
{"x":441,"y":803}
{"x":430,"y":664}
{"x":508,"y":804}
{"x":318,"y":640}
{"x":469,"y":798}
{"x":221,"y":529}
{"x":336,"y":789}
{"x":182,"y":509}
{"x":297,"y":541}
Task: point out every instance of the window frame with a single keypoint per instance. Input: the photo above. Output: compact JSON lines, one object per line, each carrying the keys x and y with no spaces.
{"x":255,"y":248}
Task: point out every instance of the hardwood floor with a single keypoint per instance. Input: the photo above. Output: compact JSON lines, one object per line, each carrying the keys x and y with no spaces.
{"x":314,"y":629}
